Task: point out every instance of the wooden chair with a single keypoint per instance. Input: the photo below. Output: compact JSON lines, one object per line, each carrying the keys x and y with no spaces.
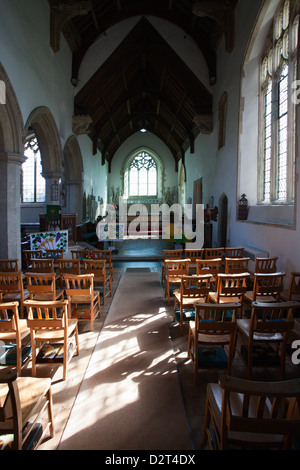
{"x":174,"y":269}
{"x":67,"y":266}
{"x":293,"y":291}
{"x":105,"y":255}
{"x":23,"y":402}
{"x":56,"y":254}
{"x":42,"y":286}
{"x":251,"y":414}
{"x":192,"y":289}
{"x":209,"y":266}
{"x":237,"y":252}
{"x":12,"y":289}
{"x":42,"y":265}
{"x":212,"y":253}
{"x":230,"y":288}
{"x":79,"y":254}
{"x":236,"y":265}
{"x":213,"y":335}
{"x":266,"y":265}
{"x":98,"y":268}
{"x":266,"y":287}
{"x":269,"y":324}
{"x":84,"y":301}
{"x":13,"y":331}
{"x":193,"y":255}
{"x":9,"y":265}
{"x":170,"y":254}
{"x":28,"y":255}
{"x":51,"y":331}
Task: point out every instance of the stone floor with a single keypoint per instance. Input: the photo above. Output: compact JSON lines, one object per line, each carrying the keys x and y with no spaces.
{"x":65,"y":392}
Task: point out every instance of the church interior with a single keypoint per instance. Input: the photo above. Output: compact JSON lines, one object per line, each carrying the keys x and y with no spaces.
{"x":149,"y":244}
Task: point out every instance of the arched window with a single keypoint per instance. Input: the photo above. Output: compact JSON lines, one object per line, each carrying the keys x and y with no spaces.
{"x":278,"y":71}
{"x":143,"y":176}
{"x":33,"y":183}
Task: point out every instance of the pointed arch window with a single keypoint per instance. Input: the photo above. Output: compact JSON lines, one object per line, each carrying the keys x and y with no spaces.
{"x":32,"y":181}
{"x":278,"y":71}
{"x":143,"y":176}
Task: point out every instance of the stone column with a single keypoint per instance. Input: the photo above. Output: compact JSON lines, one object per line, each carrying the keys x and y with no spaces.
{"x":10,"y":202}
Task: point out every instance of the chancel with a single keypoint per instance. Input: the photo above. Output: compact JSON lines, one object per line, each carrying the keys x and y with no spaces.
{"x":149,"y":183}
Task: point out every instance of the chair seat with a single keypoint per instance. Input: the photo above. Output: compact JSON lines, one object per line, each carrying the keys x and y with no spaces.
{"x":284,"y":296}
{"x":214,"y":392}
{"x":46,"y":297}
{"x":31,"y":390}
{"x":210,"y":339}
{"x":11,"y":336}
{"x":244,"y":326}
{"x":222,"y":299}
{"x":82,"y":299}
{"x":174,"y":279}
{"x":15,"y":296}
{"x":249,"y":295}
{"x":187,"y":300}
{"x":55,"y":335}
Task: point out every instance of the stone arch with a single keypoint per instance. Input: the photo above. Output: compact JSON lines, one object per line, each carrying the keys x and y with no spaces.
{"x":73,"y":176}
{"x":11,"y":120}
{"x":42,"y":122}
{"x":11,"y":159}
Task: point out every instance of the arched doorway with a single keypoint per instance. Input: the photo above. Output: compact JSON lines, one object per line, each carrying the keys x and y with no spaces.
{"x":73,"y":174}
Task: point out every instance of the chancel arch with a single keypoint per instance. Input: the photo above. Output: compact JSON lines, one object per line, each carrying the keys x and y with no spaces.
{"x":11,"y":159}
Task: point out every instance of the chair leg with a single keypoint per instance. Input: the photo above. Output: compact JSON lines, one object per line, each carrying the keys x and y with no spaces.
{"x":50,"y":412}
{"x":206,"y":424}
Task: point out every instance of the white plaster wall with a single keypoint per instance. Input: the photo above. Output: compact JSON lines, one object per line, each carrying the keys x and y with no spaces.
{"x":94,"y":173}
{"x":219,"y":168}
{"x":134,"y":142}
{"x":39,"y":76}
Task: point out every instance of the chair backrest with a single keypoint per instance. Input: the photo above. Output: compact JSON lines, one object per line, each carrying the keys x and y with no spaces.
{"x":209,"y":266}
{"x":11,"y":283}
{"x":266,"y":285}
{"x":102,"y":254}
{"x":231,"y":285}
{"x":195,"y":287}
{"x":94,"y":266}
{"x":294,"y":286}
{"x":272,"y":317}
{"x":9,"y":323}
{"x":28,"y":255}
{"x":193,"y":255}
{"x":79,"y":254}
{"x":263,"y":408}
{"x":81,"y":285}
{"x":210,"y":253}
{"x":56,"y":254}
{"x":170,"y":254}
{"x":50,"y":315}
{"x":176,"y":267}
{"x":266,"y":265}
{"x":41,"y":284}
{"x":9,"y":265}
{"x":69,"y":266}
{"x":42,"y":265}
{"x":236,"y":265}
{"x":237,"y":252}
{"x":219,"y":313}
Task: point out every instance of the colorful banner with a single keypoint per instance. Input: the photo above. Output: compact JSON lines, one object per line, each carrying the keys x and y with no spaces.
{"x":49,"y":240}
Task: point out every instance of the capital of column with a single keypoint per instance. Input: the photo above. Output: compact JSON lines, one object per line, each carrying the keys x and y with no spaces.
{"x":12,"y":158}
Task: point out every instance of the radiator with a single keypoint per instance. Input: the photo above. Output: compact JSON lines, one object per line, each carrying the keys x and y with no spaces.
{"x":253,"y":253}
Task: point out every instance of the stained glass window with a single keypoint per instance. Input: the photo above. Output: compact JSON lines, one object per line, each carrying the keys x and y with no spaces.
{"x":33,"y":183}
